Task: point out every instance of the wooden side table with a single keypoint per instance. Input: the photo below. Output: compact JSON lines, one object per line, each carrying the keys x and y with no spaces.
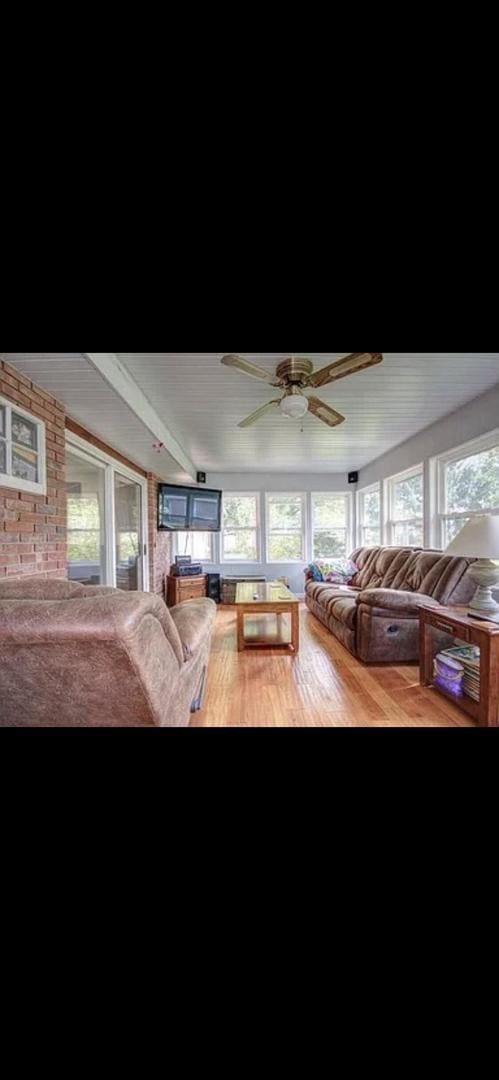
{"x":179,"y":589}
{"x":459,"y":623}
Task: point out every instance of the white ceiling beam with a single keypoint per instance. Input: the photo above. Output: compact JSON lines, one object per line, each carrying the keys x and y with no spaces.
{"x":117,"y":376}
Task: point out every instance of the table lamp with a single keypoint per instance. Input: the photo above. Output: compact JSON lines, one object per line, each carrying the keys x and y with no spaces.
{"x":480,"y":540}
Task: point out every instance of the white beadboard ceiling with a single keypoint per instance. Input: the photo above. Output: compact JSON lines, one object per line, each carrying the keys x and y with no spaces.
{"x":202,"y":402}
{"x":88,"y":398}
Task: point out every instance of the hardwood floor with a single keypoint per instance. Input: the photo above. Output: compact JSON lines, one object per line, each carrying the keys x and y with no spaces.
{"x":321,"y":687}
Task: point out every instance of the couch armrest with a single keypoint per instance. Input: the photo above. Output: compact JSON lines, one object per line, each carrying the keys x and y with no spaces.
{"x":395,"y":600}
{"x":88,"y":591}
{"x":193,"y":620}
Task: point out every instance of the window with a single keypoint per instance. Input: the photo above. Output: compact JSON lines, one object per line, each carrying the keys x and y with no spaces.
{"x":468,"y":485}
{"x":285,"y":528}
{"x":331,"y":526}
{"x":241,"y":528}
{"x":369,"y":516}
{"x":406,"y":509}
{"x":199,"y":545}
{"x":22,"y":449}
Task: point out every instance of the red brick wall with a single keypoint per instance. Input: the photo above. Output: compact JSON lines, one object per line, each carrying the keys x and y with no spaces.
{"x":33,"y":527}
{"x":159,"y":542}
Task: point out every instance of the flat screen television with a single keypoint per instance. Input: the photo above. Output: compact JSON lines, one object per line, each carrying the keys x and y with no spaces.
{"x":189,"y":509}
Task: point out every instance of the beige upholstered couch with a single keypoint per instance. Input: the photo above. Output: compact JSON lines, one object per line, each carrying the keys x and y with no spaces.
{"x":95,"y":657}
{"x":376,"y":617}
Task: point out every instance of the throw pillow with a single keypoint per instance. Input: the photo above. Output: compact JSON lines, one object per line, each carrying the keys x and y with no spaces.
{"x":334,"y":571}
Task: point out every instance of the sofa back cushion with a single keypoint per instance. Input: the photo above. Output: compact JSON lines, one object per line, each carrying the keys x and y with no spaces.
{"x":38,"y":588}
{"x":98,"y":660}
{"x":443,"y":577}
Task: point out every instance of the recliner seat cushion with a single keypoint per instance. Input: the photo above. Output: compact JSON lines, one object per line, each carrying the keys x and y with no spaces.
{"x":337,"y":601}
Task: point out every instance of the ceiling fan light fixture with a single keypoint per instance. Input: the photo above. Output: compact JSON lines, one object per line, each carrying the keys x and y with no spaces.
{"x":295,"y":406}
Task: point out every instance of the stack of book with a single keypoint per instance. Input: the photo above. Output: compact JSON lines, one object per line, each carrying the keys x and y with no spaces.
{"x":469,"y":657}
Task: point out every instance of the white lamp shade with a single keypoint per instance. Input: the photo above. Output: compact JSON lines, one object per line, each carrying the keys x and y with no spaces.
{"x":479,"y":539}
{"x":294,"y":406}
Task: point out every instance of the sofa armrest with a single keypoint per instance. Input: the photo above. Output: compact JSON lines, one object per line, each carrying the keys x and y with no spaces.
{"x":396,"y":600}
{"x":193,"y":620}
{"x":88,"y":591}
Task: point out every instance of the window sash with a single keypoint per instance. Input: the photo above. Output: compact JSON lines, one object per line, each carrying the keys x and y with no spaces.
{"x":363,"y":527}
{"x":332,"y":530}
{"x":460,"y":453}
{"x":177,"y":544}
{"x":255,"y":529}
{"x":446,"y":511}
{"x":415,"y":520}
{"x":299,"y":530}
{"x":9,"y":478}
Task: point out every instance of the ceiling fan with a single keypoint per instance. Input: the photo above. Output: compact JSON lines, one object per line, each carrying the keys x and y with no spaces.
{"x":294,"y":376}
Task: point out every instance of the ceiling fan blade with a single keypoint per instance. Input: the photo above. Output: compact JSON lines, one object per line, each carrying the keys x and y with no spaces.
{"x":250,"y":369}
{"x":259,"y":412}
{"x":324,"y":412}
{"x":350,"y":365}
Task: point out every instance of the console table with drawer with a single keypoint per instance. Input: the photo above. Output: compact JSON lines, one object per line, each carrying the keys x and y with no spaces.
{"x":178,"y":589}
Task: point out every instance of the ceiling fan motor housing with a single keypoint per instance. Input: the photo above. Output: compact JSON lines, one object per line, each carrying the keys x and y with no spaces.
{"x":295,"y":372}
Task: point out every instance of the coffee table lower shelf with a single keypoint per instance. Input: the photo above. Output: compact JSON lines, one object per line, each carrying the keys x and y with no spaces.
{"x":266,"y":631}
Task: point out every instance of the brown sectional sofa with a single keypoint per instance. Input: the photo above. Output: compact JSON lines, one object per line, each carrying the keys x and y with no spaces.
{"x":376,"y":616}
{"x":80,"y":656}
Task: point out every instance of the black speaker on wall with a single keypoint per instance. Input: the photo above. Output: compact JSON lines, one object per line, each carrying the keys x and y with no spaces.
{"x":213,"y":587}
{"x":353,"y":478}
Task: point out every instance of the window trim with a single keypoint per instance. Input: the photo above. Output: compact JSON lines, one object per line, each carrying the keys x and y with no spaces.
{"x":390,"y":522}
{"x":348,"y":497}
{"x":304,"y":527}
{"x":439,"y":464}
{"x":369,"y":490}
{"x":16,"y":483}
{"x":257,"y":496}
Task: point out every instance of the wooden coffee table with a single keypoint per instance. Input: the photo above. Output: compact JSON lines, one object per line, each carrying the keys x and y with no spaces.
{"x":257,"y":602}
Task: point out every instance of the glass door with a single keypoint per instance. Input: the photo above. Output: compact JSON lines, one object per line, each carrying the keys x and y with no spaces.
{"x":107,"y":520}
{"x":86,"y":502}
{"x":128,"y":533}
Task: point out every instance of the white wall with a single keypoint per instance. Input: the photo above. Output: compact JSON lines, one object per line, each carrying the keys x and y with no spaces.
{"x":276,"y":482}
{"x":476,"y":418}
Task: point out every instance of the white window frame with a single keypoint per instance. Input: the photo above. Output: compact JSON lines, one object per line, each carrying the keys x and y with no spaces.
{"x":211,"y":561}
{"x":389,"y":500}
{"x":348,"y":497}
{"x":269,"y":495}
{"x":87,"y":452}
{"x":360,"y":512}
{"x":439,"y":466}
{"x":7,"y":480}
{"x":256,"y":495}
